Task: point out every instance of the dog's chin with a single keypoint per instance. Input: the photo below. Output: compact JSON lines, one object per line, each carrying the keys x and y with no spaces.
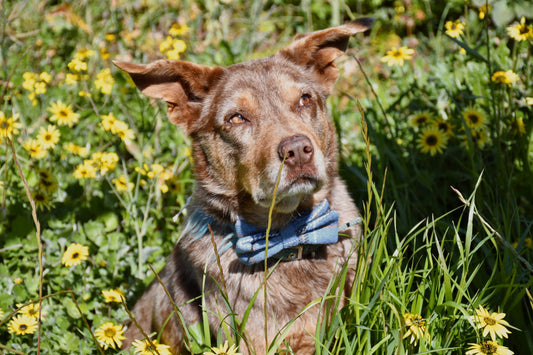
{"x":289,"y":196}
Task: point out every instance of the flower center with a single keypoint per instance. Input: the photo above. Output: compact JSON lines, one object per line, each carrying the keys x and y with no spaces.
{"x":33,"y":312}
{"x":23,"y":327}
{"x":75,"y":255}
{"x":489,"y":320}
{"x":4,"y":125}
{"x":431,"y":140}
{"x":488,"y":348}
{"x":523,"y":30}
{"x":473,"y":118}
{"x":63,"y":113}
{"x":110,"y":332}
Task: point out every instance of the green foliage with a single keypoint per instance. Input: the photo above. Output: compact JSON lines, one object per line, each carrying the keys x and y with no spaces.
{"x":118,"y":173}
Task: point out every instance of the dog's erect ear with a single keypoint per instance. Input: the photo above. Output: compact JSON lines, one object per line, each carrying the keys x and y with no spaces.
{"x":318,"y":50}
{"x":182,"y":85}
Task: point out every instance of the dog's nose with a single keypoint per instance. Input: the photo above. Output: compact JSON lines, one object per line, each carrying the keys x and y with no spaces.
{"x":297,"y":150}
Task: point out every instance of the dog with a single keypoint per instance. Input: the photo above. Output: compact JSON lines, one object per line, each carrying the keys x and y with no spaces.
{"x":265,"y":162}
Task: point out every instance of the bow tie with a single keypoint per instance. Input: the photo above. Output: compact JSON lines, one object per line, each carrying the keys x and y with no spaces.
{"x":316,"y":227}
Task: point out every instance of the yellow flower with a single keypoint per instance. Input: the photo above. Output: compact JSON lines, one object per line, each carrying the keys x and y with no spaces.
{"x":34,"y":147}
{"x":110,"y":335}
{"x":156,"y":170}
{"x":44,"y":76}
{"x":72,"y":79}
{"x":105,"y":161}
{"x":83,"y":93}
{"x":444,"y":126}
{"x":35,"y":84}
{"x":224,"y":349}
{"x":123,"y":131}
{"x":163,"y":187}
{"x":475,"y":119}
{"x":77,"y":65}
{"x":172,"y":47}
{"x":166,"y":44}
{"x":47,"y":181}
{"x":481,"y":138}
{"x":22,"y":324}
{"x":143,"y":347}
{"x":108,"y":122}
{"x":17,"y":280}
{"x":31,"y":310}
{"x":144,"y":170}
{"x":104,"y":53}
{"x":76,"y":149}
{"x":529,"y":101}
{"x":484,"y":10}
{"x":492,"y":323}
{"x":454,"y":28}
{"x":74,"y":254}
{"x":41,"y":199}
{"x":432,"y":141}
{"x":110,"y":37}
{"x":174,"y":185}
{"x":396,"y":56}
{"x":29,"y":81}
{"x":9,"y":126}
{"x":1,"y":314}
{"x":39,"y":88}
{"x":86,"y":170}
{"x":520,"y":31}
{"x":415,"y":327}
{"x":488,"y":348}
{"x":178,"y":47}
{"x":177,"y":30}
{"x":505,"y":77}
{"x":419,"y":119}
{"x":83,"y":53}
{"x":122,"y":184}
{"x":48,"y":137}
{"x":104,"y":81}
{"x":63,"y":114}
{"x":113,"y":295}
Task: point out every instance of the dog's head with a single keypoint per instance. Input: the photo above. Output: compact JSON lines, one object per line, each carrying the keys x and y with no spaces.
{"x":246,"y":119}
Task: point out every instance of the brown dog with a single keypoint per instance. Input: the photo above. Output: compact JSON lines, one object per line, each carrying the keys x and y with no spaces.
{"x":246,"y":122}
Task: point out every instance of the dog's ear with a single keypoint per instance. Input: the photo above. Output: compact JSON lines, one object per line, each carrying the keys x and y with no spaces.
{"x":318,"y":50}
{"x":182,"y":85}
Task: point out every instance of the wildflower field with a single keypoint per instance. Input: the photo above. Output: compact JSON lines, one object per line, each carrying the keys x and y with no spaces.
{"x":434,"y":111}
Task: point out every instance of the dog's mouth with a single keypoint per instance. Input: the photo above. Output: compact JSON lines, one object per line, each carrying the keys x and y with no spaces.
{"x":290,"y":193}
{"x":303,"y":184}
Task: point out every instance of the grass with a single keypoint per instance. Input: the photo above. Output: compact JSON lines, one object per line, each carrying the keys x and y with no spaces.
{"x":447,"y":214}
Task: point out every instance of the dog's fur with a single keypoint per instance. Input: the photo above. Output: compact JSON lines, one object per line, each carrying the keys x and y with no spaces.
{"x":243,"y":120}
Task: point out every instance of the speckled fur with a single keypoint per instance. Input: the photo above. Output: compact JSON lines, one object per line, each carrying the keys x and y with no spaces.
{"x":236,"y":166}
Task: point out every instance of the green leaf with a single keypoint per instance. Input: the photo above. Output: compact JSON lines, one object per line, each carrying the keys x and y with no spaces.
{"x":70,"y":306}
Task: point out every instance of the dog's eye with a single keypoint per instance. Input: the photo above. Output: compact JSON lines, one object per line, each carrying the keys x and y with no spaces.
{"x":305,"y":100}
{"x":237,"y":119}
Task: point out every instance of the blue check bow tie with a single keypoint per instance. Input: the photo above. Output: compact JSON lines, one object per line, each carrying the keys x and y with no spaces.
{"x":317,"y":227}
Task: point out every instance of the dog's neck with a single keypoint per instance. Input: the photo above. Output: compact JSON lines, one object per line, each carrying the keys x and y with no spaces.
{"x":228,"y":209}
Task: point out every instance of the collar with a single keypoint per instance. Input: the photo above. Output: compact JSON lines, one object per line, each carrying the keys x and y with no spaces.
{"x":301,"y":238}
{"x":305,"y":233}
